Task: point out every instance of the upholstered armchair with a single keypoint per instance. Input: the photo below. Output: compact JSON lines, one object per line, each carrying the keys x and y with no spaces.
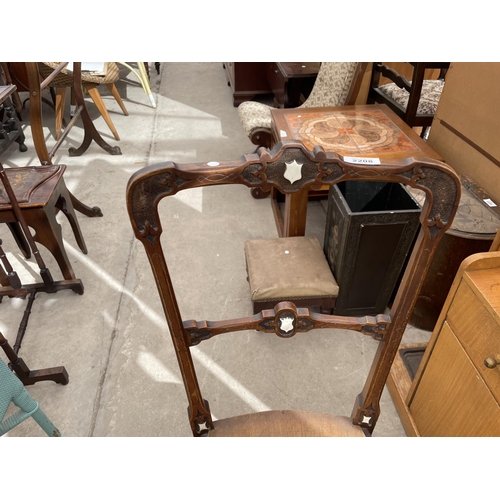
{"x":337,"y":84}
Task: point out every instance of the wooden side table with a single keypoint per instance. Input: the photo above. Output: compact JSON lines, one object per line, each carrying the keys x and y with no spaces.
{"x":370,"y":131}
{"x":289,"y":80}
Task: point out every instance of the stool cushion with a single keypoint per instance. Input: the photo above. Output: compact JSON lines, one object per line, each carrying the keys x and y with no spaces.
{"x":288,"y":268}
{"x":429,"y":97}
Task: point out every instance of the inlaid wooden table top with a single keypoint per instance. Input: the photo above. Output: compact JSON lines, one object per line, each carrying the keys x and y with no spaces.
{"x":371,"y":130}
{"x":366,"y":131}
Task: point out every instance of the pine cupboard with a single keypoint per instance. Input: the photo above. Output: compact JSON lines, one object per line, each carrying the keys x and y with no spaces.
{"x":456,"y":389}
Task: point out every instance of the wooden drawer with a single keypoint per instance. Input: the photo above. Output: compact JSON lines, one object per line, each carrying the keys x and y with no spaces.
{"x":452,"y":399}
{"x":478,"y":332}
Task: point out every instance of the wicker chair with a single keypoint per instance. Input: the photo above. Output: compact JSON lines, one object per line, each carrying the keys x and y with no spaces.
{"x":337,"y":84}
{"x":13,"y":391}
{"x":90,"y":84}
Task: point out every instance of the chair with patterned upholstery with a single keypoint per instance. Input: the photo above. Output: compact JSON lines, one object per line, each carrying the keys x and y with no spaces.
{"x":90,"y":84}
{"x":415,"y":100}
{"x":337,"y":84}
{"x":13,"y":391}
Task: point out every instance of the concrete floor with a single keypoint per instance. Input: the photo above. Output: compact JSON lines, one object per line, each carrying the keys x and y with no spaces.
{"x":113,"y":340}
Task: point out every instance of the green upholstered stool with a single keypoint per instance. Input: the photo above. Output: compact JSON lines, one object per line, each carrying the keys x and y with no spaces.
{"x":289,"y":269}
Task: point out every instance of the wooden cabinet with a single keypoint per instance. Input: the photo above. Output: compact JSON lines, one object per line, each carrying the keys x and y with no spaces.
{"x":246,"y":80}
{"x":291,"y":80}
{"x":454,"y":393}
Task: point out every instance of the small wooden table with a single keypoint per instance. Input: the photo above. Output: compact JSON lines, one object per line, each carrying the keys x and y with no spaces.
{"x":288,"y":80}
{"x":371,"y":131}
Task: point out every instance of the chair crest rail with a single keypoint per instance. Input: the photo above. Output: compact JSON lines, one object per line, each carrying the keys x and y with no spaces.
{"x":289,"y":167}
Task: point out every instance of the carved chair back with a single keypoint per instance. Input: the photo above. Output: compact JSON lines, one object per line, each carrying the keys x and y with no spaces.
{"x":266,"y":169}
{"x":414,"y":101}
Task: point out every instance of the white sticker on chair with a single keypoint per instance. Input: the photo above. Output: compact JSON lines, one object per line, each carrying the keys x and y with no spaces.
{"x":490,"y":202}
{"x":362,"y":161}
{"x":282,"y":133}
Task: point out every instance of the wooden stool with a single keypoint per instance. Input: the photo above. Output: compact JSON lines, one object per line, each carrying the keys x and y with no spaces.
{"x":41,"y":193}
{"x":291,"y":269}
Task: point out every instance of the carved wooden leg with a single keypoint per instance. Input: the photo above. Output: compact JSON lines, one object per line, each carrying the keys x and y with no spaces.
{"x":261,"y":137}
{"x":84,"y":209}
{"x":20,"y":238}
{"x":91,"y":132}
{"x":64,"y":204}
{"x":49,"y":234}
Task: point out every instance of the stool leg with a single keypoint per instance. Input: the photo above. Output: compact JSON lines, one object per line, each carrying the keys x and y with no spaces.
{"x":20,"y":238}
{"x":49,"y":234}
{"x":64,"y":204}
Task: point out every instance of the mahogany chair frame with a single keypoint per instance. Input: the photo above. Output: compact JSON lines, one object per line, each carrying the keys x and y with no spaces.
{"x":266,"y":169}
